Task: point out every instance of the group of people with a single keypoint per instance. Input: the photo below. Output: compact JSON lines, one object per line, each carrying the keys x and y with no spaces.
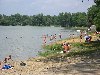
{"x":66,"y":46}
{"x":86,"y":36}
{"x":51,"y":37}
{"x":4,"y":64}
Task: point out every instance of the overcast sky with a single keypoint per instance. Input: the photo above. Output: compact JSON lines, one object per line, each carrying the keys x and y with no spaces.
{"x":47,"y":7}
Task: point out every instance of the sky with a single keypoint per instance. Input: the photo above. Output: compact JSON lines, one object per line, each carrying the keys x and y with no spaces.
{"x":47,"y":7}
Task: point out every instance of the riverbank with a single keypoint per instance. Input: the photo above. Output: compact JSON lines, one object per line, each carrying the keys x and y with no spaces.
{"x":60,"y":64}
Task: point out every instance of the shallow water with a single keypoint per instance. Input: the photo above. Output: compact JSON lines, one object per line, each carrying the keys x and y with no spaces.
{"x":23,"y":42}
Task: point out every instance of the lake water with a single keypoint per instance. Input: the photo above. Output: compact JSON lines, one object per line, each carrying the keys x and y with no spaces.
{"x":23,"y":42}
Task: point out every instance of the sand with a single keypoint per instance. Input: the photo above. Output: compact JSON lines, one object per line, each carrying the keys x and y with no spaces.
{"x":71,"y":66}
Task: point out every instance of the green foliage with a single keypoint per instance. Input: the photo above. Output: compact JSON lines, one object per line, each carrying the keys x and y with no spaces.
{"x":55,"y":47}
{"x":77,"y":45}
{"x":51,"y":49}
{"x":97,"y":2}
{"x":94,"y":14}
{"x":63,"y":19}
{"x":79,"y":19}
{"x":86,"y":49}
{"x":77,"y":49}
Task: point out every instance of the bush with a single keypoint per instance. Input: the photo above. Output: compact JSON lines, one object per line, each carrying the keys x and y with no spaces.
{"x":51,"y":49}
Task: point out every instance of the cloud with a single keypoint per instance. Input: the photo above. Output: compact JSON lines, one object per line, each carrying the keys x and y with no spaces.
{"x":55,"y":3}
{"x":43,"y":6}
{"x":53,"y":6}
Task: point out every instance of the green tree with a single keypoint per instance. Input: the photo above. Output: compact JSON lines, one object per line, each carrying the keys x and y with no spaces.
{"x":79,"y":19}
{"x":94,"y":14}
{"x":63,"y":19}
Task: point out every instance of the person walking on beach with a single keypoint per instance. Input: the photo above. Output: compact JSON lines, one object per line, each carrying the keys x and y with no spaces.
{"x":55,"y":37}
{"x":51,"y":38}
{"x":73,"y":37}
{"x":81,"y":36}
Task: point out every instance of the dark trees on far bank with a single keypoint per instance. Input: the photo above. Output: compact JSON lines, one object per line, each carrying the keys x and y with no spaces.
{"x":63,"y":19}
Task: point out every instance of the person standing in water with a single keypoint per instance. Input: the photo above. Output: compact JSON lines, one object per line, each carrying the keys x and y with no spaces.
{"x":60,"y":36}
{"x":55,"y":37}
{"x":44,"y":40}
{"x":73,"y":36}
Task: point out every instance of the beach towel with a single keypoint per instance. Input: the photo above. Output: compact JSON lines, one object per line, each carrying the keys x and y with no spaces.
{"x":6,"y":67}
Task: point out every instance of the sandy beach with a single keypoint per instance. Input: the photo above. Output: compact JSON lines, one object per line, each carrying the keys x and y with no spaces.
{"x":70,"y":66}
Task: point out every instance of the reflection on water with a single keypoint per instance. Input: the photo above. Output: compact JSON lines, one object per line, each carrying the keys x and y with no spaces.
{"x":23,"y":42}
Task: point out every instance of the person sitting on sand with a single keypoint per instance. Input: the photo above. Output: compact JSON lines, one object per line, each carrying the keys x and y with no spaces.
{"x":7,"y":58}
{"x":81,"y":35}
{"x":88,"y":38}
{"x":66,"y":47}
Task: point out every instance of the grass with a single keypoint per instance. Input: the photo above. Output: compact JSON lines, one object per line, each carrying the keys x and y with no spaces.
{"x":86,"y":49}
{"x":77,"y":49}
{"x":51,"y":49}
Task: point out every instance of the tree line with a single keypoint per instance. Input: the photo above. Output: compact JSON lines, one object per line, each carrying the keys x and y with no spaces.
{"x":94,"y":14}
{"x":63,"y":20}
